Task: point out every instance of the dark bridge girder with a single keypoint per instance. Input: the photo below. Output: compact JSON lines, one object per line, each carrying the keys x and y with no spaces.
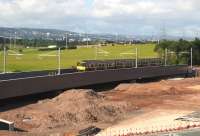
{"x":34,"y":85}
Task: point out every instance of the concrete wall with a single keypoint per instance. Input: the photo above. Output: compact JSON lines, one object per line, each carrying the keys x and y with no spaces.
{"x":34,"y":85}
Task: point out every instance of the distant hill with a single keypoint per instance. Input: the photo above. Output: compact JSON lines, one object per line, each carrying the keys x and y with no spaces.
{"x":54,"y":34}
{"x":30,"y":33}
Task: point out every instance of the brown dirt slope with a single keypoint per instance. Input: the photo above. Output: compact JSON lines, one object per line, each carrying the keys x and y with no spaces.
{"x":70,"y":109}
{"x":77,"y":109}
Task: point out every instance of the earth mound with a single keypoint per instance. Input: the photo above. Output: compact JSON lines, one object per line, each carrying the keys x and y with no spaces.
{"x":152,"y":89}
{"x":69,"y":109}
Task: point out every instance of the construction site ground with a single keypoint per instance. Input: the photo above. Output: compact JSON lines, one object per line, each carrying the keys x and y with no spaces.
{"x":127,"y":107}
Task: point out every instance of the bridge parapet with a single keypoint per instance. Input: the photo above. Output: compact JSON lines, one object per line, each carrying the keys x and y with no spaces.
{"x":41,"y":84}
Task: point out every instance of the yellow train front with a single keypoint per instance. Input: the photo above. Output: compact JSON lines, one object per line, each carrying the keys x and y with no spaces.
{"x":80,"y":66}
{"x":92,"y":65}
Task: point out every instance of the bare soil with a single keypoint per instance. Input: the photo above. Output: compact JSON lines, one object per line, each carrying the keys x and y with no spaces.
{"x":74,"y":110}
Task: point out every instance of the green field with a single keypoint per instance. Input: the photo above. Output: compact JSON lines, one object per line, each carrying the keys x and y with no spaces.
{"x":33,"y":60}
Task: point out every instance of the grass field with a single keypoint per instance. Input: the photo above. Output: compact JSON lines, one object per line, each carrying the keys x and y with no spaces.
{"x":33,"y":60}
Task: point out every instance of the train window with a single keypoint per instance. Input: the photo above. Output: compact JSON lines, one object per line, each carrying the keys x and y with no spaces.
{"x":81,"y":63}
{"x":78,"y":63}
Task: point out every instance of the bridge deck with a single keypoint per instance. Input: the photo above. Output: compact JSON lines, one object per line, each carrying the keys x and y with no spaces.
{"x":33,"y":85}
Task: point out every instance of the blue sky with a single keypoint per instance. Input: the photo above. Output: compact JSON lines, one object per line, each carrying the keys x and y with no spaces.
{"x":133,"y":17}
{"x":89,"y":2}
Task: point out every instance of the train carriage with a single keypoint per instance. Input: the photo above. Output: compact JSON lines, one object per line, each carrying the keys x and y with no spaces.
{"x":91,"y":65}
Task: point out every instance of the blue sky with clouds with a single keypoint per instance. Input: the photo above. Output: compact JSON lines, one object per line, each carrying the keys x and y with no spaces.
{"x":105,"y":16}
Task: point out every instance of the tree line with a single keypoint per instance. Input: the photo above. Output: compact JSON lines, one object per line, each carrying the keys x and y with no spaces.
{"x":179,"y":52}
{"x":43,"y":43}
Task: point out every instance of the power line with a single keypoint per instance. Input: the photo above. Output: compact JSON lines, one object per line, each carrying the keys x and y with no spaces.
{"x":163,"y":32}
{"x":4,"y":55}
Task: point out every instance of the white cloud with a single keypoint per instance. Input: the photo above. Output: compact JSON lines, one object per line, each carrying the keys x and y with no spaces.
{"x":19,"y":11}
{"x":102,"y":15}
{"x":106,"y":8}
{"x":176,"y":14}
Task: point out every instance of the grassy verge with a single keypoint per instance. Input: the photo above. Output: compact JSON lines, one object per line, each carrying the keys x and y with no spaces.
{"x":32,"y":59}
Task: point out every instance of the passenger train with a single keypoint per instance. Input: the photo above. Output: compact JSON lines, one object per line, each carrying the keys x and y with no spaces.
{"x":92,"y":65}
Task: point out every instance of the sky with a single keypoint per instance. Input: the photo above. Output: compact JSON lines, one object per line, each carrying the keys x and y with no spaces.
{"x":131,"y":17}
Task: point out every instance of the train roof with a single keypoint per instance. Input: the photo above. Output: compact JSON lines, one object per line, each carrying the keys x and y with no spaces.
{"x":111,"y":60}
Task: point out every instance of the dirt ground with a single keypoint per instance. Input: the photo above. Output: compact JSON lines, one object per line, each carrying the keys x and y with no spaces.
{"x":128,"y":106}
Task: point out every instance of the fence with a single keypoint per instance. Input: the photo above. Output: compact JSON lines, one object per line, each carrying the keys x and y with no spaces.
{"x":150,"y":130}
{"x":9,"y":76}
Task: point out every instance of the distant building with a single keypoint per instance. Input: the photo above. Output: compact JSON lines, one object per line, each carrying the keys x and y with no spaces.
{"x":52,"y":46}
{"x":71,"y":40}
{"x":86,"y":40}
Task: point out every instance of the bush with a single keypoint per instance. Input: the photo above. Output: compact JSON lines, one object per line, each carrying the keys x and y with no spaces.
{"x":181,"y":51}
{"x":20,"y":50}
{"x":2,"y":48}
{"x":72,"y":47}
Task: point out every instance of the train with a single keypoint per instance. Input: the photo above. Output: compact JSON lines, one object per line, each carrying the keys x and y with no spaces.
{"x":14,"y":85}
{"x":92,"y":65}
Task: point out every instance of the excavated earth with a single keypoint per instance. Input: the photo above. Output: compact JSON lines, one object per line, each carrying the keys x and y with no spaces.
{"x":74,"y":110}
